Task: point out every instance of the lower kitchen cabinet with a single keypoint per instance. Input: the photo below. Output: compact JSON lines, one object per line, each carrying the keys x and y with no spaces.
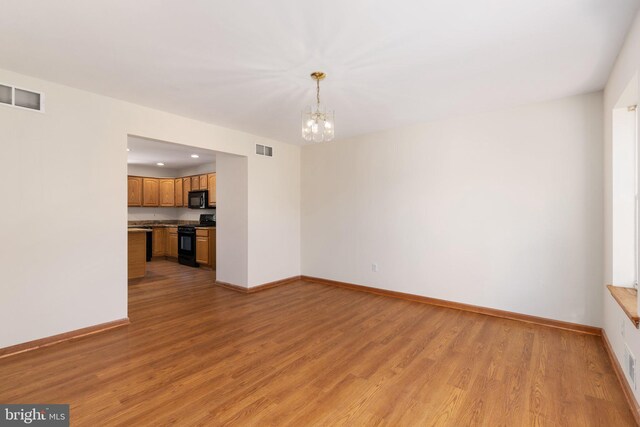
{"x":172,"y":242}
{"x":165,"y":244}
{"x":202,"y":250}
{"x":206,"y":246}
{"x":159,"y":241}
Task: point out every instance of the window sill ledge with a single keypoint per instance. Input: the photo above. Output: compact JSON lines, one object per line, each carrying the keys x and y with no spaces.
{"x":627,"y":298}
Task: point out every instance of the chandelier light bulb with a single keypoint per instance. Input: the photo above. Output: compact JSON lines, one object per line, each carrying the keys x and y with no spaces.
{"x":318,"y":122}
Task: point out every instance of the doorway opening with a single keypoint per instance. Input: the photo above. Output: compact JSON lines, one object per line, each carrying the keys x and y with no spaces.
{"x":172,"y":195}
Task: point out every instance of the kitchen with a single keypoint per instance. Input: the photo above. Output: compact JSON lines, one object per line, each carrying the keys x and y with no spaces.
{"x":171,"y":205}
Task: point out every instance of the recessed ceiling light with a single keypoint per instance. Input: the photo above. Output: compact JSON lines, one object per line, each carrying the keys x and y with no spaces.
{"x":160,"y":164}
{"x":195,"y":156}
{"x":128,"y":149}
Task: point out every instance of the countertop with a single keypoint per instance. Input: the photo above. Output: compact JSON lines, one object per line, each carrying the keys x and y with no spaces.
{"x":137,"y":227}
{"x":133,"y":229}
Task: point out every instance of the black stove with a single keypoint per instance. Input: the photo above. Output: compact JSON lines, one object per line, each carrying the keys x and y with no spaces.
{"x":208,"y":220}
{"x":187,"y":239}
{"x":187,"y":245}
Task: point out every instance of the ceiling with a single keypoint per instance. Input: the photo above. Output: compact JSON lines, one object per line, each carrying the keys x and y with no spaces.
{"x":246,"y":64}
{"x":143,"y":151}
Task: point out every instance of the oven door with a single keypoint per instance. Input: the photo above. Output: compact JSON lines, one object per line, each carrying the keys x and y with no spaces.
{"x":187,"y":244}
{"x":187,"y":247}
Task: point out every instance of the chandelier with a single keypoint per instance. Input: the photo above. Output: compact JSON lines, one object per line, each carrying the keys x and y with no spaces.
{"x":317,"y":121}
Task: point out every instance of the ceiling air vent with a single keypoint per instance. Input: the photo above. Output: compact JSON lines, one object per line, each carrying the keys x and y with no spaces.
{"x":264,"y":150}
{"x":21,"y":98}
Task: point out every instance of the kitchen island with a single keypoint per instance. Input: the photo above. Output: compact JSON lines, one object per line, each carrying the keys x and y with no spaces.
{"x":137,"y":252}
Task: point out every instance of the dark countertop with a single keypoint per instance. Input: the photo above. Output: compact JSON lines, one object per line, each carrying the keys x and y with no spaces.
{"x":160,"y":223}
{"x":166,"y":224}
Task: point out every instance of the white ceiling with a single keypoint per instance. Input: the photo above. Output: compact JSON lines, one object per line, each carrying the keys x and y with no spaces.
{"x":246,"y":64}
{"x":143,"y":151}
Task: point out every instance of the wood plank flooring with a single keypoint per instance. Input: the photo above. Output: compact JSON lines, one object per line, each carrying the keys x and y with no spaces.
{"x":309,"y":354}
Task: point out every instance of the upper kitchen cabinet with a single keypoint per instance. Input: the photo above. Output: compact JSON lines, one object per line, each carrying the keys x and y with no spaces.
{"x":186,"y":187}
{"x":178,"y":191}
{"x":134,"y":184}
{"x":203,"y":182}
{"x":211,"y":178}
{"x":167,"y":192}
{"x":150,"y":192}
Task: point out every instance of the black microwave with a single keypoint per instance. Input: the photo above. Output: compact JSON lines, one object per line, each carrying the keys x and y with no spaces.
{"x":198,"y":199}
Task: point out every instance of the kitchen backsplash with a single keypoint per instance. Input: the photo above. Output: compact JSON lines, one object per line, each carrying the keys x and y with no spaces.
{"x":186,"y":214}
{"x":163,"y":214}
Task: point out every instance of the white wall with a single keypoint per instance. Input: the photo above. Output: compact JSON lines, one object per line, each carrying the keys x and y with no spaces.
{"x":232,"y":192}
{"x":152,"y":171}
{"x":198,"y":170}
{"x":75,"y":273}
{"x":501,"y":210}
{"x":625,"y":71}
{"x":270,"y":201}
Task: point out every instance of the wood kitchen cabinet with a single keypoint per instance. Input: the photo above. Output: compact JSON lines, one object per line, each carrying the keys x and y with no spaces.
{"x":159,"y":239}
{"x":206,"y":247}
{"x":186,"y":187}
{"x":150,"y":192}
{"x":211,"y":181}
{"x":177,"y":184}
{"x":202,"y":250}
{"x":167,"y":192}
{"x":172,"y":242}
{"x":165,"y":244}
{"x":136,"y":253}
{"x":134,"y":184}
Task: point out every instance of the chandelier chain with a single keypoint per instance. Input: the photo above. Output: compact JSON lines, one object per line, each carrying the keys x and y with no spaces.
{"x":318,"y":91}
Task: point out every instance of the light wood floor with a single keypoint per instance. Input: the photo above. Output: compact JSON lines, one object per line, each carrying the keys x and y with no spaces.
{"x":309,"y":354}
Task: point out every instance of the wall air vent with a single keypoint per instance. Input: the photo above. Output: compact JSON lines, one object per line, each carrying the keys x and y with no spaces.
{"x":630,"y":366}
{"x":264,"y":150}
{"x":21,"y":98}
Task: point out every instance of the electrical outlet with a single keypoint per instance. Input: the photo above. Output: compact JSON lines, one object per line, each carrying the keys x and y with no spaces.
{"x":374,"y":267}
